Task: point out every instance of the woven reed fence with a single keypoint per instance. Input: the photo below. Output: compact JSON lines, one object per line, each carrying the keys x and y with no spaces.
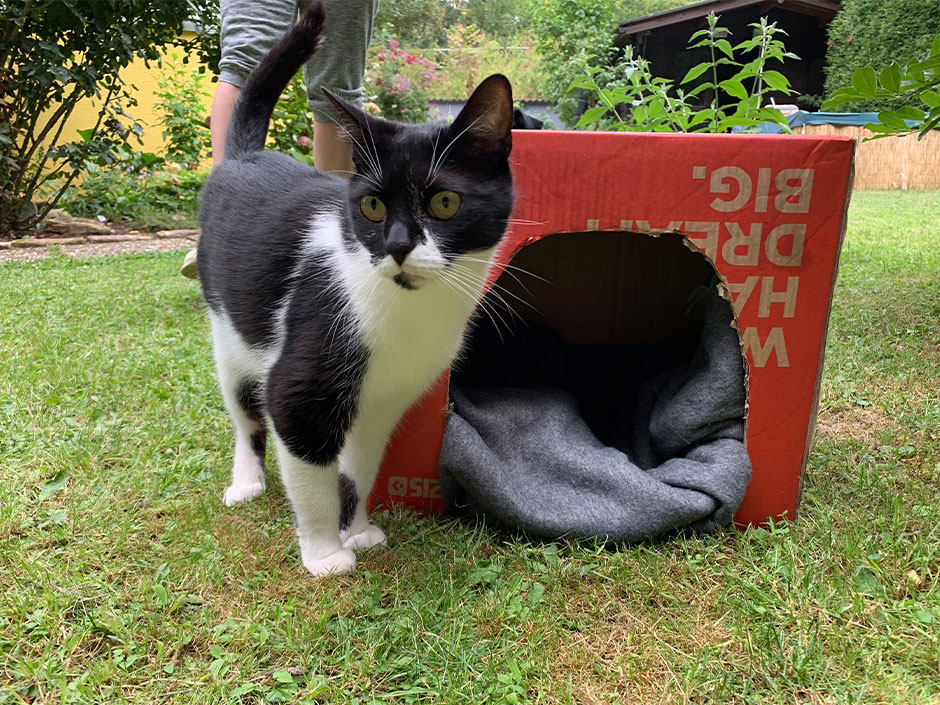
{"x":890,"y":162}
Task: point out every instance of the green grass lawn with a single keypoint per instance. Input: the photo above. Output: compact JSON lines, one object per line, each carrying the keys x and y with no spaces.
{"x":123,"y":578}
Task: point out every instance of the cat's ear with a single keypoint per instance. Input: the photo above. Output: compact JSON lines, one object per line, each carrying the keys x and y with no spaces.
{"x":486,"y":119}
{"x":353,"y":122}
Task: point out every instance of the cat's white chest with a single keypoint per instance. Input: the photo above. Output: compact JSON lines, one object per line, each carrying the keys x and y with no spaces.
{"x":412,"y":337}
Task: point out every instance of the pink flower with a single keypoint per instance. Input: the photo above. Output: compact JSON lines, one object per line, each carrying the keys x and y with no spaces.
{"x":392,"y":44}
{"x":303,"y":141}
{"x":409,"y":59}
{"x":401,"y":83}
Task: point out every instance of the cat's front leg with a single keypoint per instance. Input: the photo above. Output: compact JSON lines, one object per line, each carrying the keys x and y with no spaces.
{"x":313,"y":491}
{"x":359,"y":465}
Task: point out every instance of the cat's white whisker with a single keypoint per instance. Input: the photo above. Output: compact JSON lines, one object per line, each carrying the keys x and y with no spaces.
{"x":493,"y":301}
{"x":371,"y":161}
{"x":497,"y":290}
{"x":465,"y":290}
{"x":437,"y":137}
{"x":511,"y":269}
{"x":520,"y":221}
{"x":453,"y":141}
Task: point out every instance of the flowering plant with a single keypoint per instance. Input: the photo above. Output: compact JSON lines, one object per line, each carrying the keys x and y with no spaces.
{"x":400,"y":83}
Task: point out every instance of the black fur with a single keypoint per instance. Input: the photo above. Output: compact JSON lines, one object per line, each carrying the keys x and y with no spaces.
{"x":250,"y":398}
{"x":314,"y":384}
{"x":348,"y":501}
{"x":523,"y":121}
{"x":259,"y":443}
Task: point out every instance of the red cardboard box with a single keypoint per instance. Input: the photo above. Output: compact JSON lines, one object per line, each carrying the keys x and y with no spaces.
{"x":769,"y":213}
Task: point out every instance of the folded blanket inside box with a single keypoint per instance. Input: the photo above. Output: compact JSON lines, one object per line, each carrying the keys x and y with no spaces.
{"x":619,"y":442}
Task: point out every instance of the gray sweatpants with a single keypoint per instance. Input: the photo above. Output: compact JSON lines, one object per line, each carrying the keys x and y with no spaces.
{"x":251,"y":27}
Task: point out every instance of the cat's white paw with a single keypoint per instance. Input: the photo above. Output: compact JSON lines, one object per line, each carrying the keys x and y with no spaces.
{"x":367,"y":538}
{"x":339,"y":563}
{"x":238,"y":493}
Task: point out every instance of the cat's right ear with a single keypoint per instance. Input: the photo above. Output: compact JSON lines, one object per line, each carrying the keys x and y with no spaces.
{"x":485,"y":122}
{"x":352,"y":121}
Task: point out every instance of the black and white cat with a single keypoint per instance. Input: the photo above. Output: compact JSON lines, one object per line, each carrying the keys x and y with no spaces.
{"x":336,"y":303}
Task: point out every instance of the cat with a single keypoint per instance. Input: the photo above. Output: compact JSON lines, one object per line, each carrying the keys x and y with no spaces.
{"x":335,"y":303}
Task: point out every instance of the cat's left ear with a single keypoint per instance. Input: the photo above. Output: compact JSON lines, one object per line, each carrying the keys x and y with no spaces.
{"x":486,"y":119}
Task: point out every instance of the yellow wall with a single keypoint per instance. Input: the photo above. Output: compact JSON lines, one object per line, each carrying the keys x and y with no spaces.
{"x":145,"y":80}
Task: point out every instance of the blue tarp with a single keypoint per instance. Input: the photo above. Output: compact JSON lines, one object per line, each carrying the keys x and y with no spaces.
{"x":803,"y":117}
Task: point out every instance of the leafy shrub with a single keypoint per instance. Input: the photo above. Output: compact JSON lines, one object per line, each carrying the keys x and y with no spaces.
{"x":566,"y":29}
{"x":918,"y":81}
{"x":181,"y":110}
{"x":417,"y":23}
{"x":54,"y":54}
{"x":471,"y":56}
{"x":869,"y":33}
{"x":628,"y":97}
{"x":134,"y":188}
{"x":291,"y":128}
{"x":400,"y":83}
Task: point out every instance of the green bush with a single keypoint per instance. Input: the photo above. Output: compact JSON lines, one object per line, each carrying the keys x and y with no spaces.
{"x":917,"y":84}
{"x":869,"y":33}
{"x":54,"y":54}
{"x":566,"y":29}
{"x":400,"y":83}
{"x":472,"y":55}
{"x":182,"y":114}
{"x":138,"y":188}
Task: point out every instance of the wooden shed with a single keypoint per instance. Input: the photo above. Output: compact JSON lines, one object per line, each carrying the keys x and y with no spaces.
{"x":662,"y":38}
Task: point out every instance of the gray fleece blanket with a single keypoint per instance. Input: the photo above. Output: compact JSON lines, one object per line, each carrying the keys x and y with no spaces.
{"x":655,"y":447}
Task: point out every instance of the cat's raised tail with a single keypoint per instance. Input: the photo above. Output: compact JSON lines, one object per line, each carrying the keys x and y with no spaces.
{"x":248,"y":128}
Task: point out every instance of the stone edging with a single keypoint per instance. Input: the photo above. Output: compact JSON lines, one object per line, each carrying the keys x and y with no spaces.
{"x":87,"y":239}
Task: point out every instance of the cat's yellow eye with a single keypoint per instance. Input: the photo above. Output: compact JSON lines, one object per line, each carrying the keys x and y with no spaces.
{"x":372,"y":208}
{"x":444,"y":204}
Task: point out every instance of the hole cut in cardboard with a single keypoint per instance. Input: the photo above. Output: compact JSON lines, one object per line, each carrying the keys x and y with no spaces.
{"x":608,"y":288}
{"x":621,"y":302}
{"x":602,"y":393}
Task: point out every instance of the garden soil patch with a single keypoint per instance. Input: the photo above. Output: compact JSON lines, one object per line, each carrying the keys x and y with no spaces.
{"x":857,"y":423}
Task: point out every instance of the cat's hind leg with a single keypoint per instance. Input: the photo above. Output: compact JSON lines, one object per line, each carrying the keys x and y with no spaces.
{"x":245,"y":406}
{"x":236,"y":365}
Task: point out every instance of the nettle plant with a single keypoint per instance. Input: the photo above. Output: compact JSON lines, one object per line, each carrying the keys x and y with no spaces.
{"x":918,"y":81}
{"x":627,"y":97}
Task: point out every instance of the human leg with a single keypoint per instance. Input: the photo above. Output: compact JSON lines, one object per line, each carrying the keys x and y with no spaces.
{"x":338,"y":65}
{"x":330,"y":151}
{"x":225,"y":96}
